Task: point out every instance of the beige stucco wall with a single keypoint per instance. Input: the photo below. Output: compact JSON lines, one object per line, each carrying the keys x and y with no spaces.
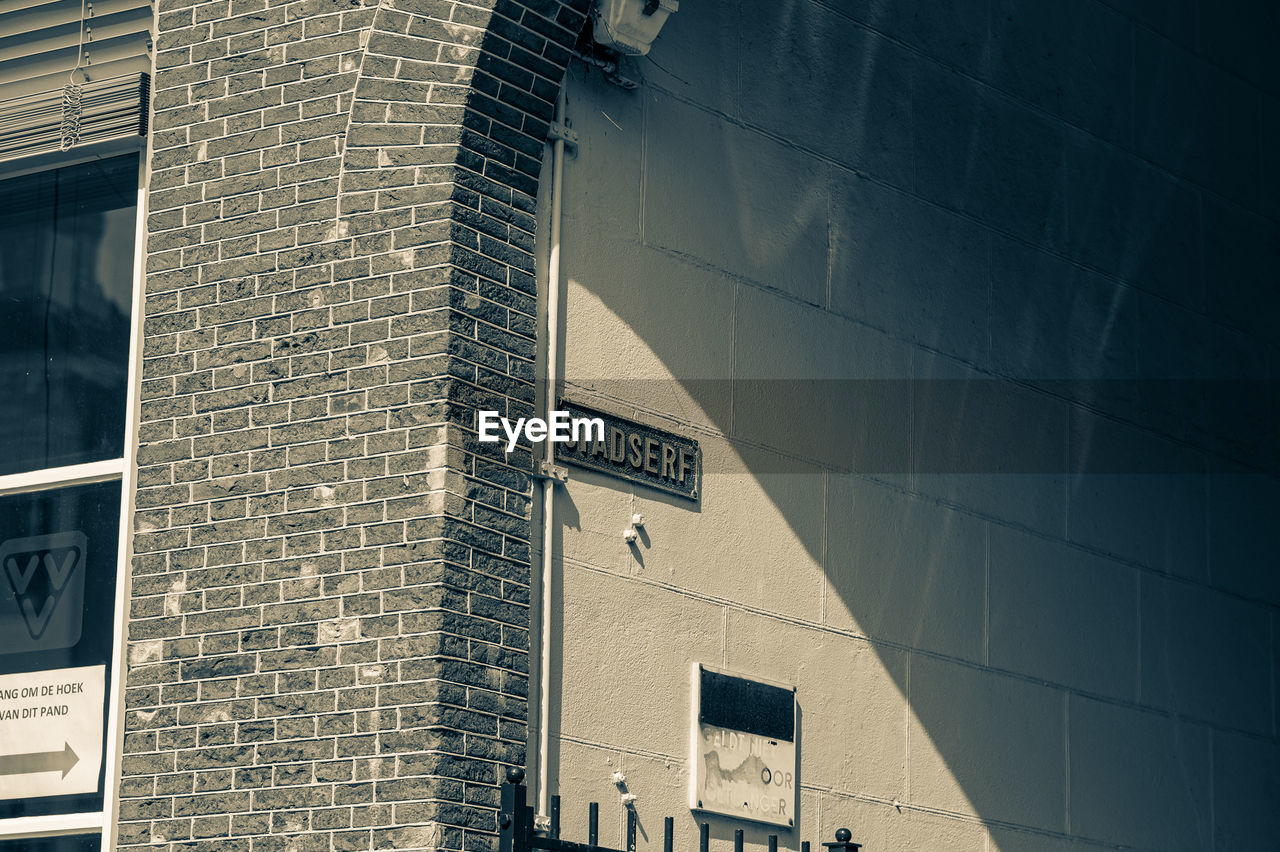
{"x":1074,"y":654}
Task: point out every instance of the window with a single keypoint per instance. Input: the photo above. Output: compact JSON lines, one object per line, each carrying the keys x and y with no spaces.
{"x":67,"y":301}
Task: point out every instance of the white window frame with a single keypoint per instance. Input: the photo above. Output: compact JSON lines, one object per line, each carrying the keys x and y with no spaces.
{"x":124,"y":470}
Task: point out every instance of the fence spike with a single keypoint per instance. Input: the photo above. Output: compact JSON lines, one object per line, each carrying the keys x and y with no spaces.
{"x":668,"y":834}
{"x":593,"y":823}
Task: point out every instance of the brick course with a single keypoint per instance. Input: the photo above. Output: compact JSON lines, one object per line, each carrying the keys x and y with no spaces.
{"x":328,"y":624}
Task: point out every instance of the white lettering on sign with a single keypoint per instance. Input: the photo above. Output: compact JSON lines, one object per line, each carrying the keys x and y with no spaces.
{"x":745,"y":775}
{"x":51,"y":732}
{"x":561,"y":428}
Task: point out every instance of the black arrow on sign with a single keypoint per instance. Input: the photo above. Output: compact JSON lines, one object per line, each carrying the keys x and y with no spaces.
{"x":39,"y":761}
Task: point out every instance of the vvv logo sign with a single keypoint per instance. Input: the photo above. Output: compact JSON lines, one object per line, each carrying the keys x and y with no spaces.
{"x":45,"y":578}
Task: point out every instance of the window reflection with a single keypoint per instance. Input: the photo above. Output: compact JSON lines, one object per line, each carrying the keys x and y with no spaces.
{"x":57,"y":576}
{"x":58,"y":551}
{"x":66,"y":283}
{"x":74,"y":843}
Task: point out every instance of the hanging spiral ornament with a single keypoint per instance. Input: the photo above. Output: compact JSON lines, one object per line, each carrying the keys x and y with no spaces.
{"x":69,"y":129}
{"x":73,"y":95}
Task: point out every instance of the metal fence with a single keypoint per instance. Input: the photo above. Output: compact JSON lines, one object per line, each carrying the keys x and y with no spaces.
{"x":517,"y":832}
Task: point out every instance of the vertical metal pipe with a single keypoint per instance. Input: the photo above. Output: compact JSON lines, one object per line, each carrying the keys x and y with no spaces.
{"x":773,"y":843}
{"x":704,"y":837}
{"x":737,"y":840}
{"x":593,"y":824}
{"x":548,"y":485}
{"x":668,"y":834}
{"x":631,"y":830}
{"x":555,"y":817}
{"x":804,"y":846}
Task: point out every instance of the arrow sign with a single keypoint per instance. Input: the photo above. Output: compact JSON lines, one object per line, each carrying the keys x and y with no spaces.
{"x":51,"y":725}
{"x":39,"y":761}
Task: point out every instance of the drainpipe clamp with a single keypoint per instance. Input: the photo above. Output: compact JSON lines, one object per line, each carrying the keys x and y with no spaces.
{"x":548,"y":470}
{"x":562,"y":132}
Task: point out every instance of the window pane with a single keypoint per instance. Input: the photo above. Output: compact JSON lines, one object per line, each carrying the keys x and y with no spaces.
{"x":66,"y":290}
{"x":75,"y":843}
{"x":58,"y":553}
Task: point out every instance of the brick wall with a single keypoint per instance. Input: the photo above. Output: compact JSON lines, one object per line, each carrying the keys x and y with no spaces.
{"x":328,"y":627}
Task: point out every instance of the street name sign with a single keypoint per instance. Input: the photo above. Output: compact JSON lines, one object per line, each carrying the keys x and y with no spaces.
{"x":634,"y":451}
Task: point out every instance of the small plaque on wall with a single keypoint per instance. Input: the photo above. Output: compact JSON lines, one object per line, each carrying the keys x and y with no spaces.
{"x":743,"y":747}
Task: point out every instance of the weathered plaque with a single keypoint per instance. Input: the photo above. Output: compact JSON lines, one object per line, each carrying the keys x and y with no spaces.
{"x":635,"y":451}
{"x":743,"y":748}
